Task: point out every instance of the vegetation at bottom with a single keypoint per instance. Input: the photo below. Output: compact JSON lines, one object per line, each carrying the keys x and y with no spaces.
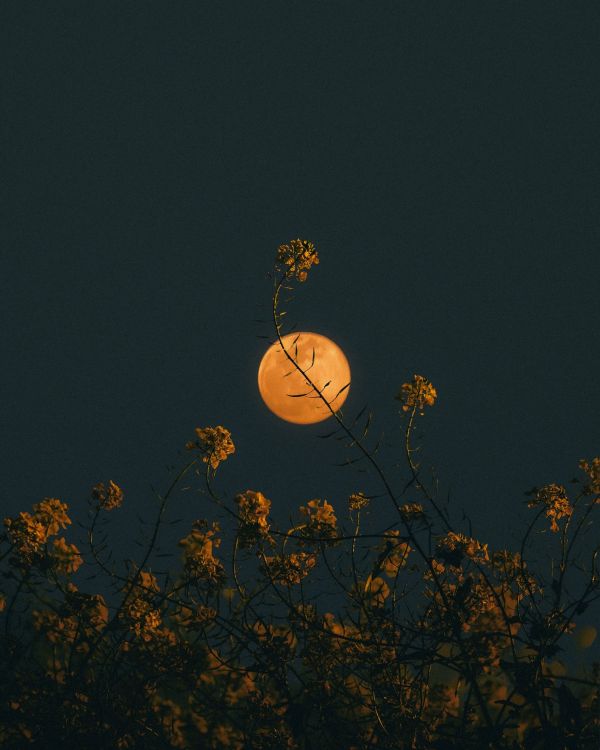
{"x":436,"y":641}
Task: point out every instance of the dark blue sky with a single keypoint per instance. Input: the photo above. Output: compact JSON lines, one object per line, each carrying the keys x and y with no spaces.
{"x":444,"y":159}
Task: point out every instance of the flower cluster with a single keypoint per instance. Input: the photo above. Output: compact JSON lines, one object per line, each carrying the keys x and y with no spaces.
{"x":91,"y":608}
{"x":65,"y":557}
{"x":320,"y":520}
{"x":593,"y":471}
{"x":289,"y":569}
{"x":81,"y":618}
{"x":417,"y":394}
{"x":29,"y":532}
{"x":358,"y":501}
{"x":554,"y":498}
{"x":253,"y":513}
{"x":198,"y":555}
{"x":412,"y":511}
{"x":298,"y":255}
{"x":214,"y":442}
{"x":454,"y":548}
{"x":108,"y":498}
{"x":56,"y":628}
{"x":143,"y":617}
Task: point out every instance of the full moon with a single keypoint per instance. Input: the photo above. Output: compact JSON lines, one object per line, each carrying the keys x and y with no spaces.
{"x":287,"y":393}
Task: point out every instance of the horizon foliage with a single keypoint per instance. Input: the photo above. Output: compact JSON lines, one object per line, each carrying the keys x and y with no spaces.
{"x":436,"y":642}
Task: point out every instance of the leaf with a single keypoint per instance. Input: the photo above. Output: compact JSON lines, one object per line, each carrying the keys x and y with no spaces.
{"x":359,"y":415}
{"x":349,"y":461}
{"x":341,"y":390}
{"x":329,"y":434}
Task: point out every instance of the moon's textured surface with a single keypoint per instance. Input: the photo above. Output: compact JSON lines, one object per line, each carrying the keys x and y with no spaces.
{"x":280,"y":383}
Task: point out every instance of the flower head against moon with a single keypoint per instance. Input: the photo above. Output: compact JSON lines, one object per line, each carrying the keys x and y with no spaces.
{"x":287,"y":392}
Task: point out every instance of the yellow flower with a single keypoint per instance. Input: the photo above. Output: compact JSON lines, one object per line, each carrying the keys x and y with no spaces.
{"x":320,"y":519}
{"x":253,"y":511}
{"x":65,"y":557}
{"x":148,"y":582}
{"x":358,"y":501}
{"x":298,"y":255}
{"x":53,"y":514}
{"x":554,"y":498}
{"x":56,"y":629}
{"x":289,"y":569}
{"x":28,"y":536}
{"x":417,"y":394}
{"x":412,"y":511}
{"x":109,"y":497}
{"x":453,"y":548}
{"x":198,"y":556}
{"x":29,"y":532}
{"x":437,"y":569}
{"x":214,"y":442}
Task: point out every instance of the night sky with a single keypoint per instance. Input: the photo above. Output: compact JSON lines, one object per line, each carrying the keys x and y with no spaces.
{"x":443,"y":157}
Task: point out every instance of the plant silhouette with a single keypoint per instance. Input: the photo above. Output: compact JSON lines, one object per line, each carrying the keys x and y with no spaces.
{"x":437,"y":641}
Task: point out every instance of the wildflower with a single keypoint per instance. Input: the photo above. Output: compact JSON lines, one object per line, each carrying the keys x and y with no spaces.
{"x":30,"y":532}
{"x":593,"y":471}
{"x":412,"y":511}
{"x":320,"y":519}
{"x":90,"y":608}
{"x":65,"y":557}
{"x":140,"y":613}
{"x":55,"y":628}
{"x":512,"y":569}
{"x":52,"y":514}
{"x":417,"y":394}
{"x":214,"y":442}
{"x":358,"y":501}
{"x":554,"y":498}
{"x":253,"y":511}
{"x":299,"y":255}
{"x":453,"y":548}
{"x":437,"y":569}
{"x":289,"y":569}
{"x":147,"y":581}
{"x":109,"y":497}
{"x":28,"y":536}
{"x":198,"y":556}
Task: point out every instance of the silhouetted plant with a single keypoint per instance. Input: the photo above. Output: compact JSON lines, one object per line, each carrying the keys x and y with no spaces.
{"x":436,"y":641}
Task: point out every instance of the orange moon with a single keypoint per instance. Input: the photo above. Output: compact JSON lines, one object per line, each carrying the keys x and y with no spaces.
{"x":280,"y":383}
